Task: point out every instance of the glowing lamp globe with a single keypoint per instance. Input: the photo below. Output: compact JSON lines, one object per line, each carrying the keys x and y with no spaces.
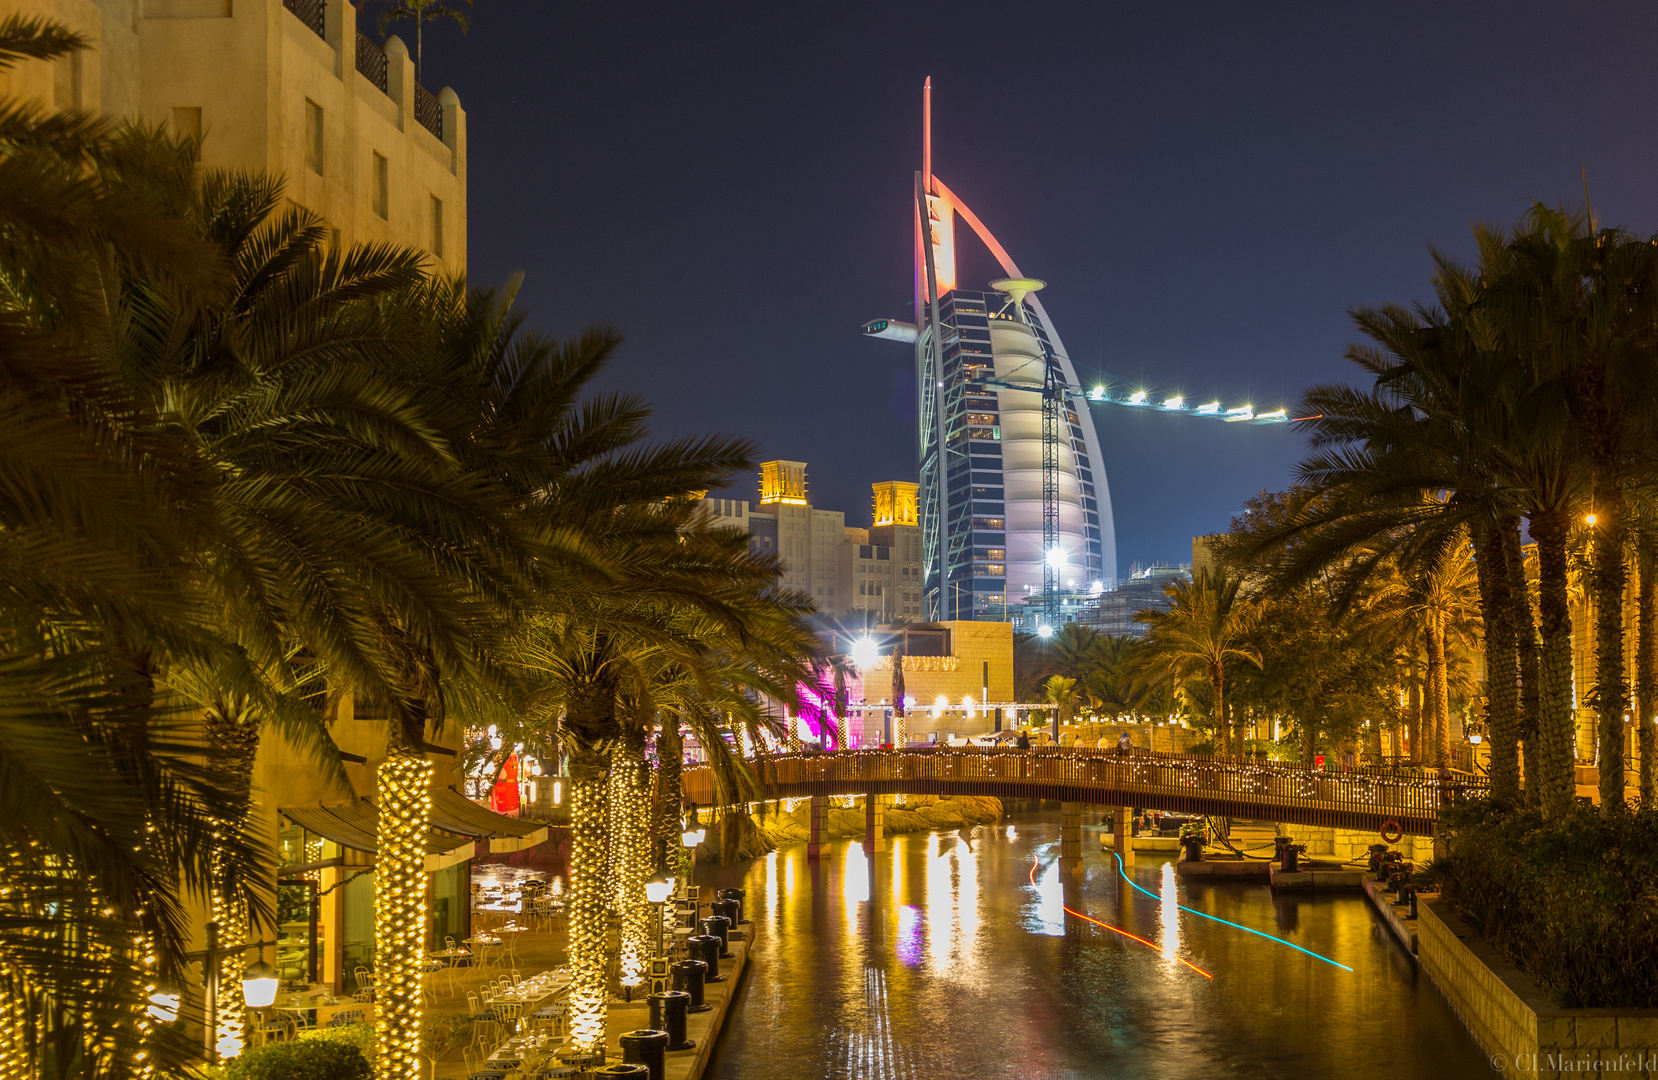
{"x":658,"y":886}
{"x":1044,"y":631}
{"x":1476,"y":739}
{"x":865,"y":652}
{"x":259,"y":983}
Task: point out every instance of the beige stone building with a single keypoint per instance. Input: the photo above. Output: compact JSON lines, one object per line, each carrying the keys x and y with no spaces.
{"x":880,"y":567}
{"x":954,"y":661}
{"x":291,"y":87}
{"x":283,"y":86}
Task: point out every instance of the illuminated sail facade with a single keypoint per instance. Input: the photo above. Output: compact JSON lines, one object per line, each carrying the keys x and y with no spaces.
{"x":981,"y":432}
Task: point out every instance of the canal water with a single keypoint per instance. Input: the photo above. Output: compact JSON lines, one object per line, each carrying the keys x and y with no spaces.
{"x":952,"y":955}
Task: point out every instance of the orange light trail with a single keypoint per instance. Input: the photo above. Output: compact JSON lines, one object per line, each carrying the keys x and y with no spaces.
{"x":1116,"y":930}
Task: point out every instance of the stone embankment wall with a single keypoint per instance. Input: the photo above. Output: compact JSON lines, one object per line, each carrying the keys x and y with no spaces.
{"x":1522,"y":1030}
{"x":1346,"y":845}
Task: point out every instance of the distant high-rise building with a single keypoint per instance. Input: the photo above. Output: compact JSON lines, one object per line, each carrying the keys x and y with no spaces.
{"x":995,"y":509}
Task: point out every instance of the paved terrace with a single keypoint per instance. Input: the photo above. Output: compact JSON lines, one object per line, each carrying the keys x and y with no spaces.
{"x":1240,"y":788}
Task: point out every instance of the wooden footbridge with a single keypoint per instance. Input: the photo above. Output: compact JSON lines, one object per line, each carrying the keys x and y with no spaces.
{"x":1186,"y":783}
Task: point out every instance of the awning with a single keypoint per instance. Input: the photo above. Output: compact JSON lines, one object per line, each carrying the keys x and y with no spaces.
{"x":458,"y":814}
{"x":356,"y":824}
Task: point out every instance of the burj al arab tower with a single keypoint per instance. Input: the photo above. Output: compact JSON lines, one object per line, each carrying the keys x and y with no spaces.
{"x":1014,"y":501}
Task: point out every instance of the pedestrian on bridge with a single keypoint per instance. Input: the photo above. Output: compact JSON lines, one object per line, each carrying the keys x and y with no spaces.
{"x":1125,"y":745}
{"x":1022,"y":742}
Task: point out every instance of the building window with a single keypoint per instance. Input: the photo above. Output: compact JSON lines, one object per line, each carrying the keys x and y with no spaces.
{"x":66,"y":82}
{"x":382,"y":187}
{"x":187,"y":125}
{"x":313,"y":136}
{"x":437,"y":226}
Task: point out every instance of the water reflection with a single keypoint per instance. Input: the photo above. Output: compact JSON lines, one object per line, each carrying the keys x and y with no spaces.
{"x":1171,"y":913}
{"x":944,"y":959}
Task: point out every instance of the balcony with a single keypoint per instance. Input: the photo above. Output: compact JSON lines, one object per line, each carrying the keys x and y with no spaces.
{"x":311,"y":13}
{"x":371,"y":61}
{"x":428,"y":111}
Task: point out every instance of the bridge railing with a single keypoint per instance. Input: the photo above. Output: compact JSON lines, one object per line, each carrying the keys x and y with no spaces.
{"x":1171,"y":781}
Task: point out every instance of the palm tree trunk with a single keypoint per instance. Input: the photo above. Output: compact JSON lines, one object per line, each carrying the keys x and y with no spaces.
{"x":589,"y":777}
{"x":1393,"y":733}
{"x":1608,"y":574}
{"x":1439,"y":704}
{"x":404,"y":797}
{"x":1555,"y":731}
{"x":630,"y":839}
{"x":1646,"y":662}
{"x":1525,"y":641}
{"x":234,"y":741}
{"x":1418,"y":742}
{"x":1217,"y":684}
{"x":670,"y":758}
{"x":1610,"y":577}
{"x":1502,"y":664}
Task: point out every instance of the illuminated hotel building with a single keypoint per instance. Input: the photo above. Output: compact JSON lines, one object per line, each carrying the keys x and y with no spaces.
{"x":981,"y":359}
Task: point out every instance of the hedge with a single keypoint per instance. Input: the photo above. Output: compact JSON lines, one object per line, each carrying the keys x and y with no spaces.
{"x":1573,"y":903}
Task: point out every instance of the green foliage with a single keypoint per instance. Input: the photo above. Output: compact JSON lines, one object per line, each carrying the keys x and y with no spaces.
{"x":362,"y":1035}
{"x":442,"y":1032}
{"x":1572,"y":901}
{"x":303,"y":1059}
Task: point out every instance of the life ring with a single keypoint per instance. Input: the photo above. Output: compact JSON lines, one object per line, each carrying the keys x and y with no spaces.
{"x":1391,"y":832}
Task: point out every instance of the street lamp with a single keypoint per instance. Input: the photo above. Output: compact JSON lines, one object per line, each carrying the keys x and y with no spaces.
{"x":658,"y":887}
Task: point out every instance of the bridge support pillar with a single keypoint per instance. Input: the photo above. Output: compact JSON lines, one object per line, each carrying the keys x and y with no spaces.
{"x":820,"y":827}
{"x":1070,"y":837}
{"x":1122,"y":833}
{"x":875,"y":838}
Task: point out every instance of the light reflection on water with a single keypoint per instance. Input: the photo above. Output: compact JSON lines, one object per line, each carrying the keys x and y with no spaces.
{"x":940,"y":958}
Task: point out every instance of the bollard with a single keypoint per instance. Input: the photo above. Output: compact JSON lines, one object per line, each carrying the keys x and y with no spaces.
{"x":727,"y":907}
{"x":688,"y":976}
{"x":1288,"y":855}
{"x":622,"y":1070}
{"x":668,"y":1014}
{"x":718,"y":926}
{"x":707,"y":949}
{"x":741,"y":896}
{"x":1193,"y":843}
{"x":1410,"y":892}
{"x":647,"y":1047}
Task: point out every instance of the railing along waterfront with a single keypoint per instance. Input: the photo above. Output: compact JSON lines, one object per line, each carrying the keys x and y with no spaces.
{"x":312,"y":13}
{"x":1239,"y":788}
{"x":371,"y":61}
{"x":428,"y":111}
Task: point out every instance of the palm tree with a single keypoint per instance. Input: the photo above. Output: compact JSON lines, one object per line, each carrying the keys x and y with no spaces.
{"x":421,"y":12}
{"x":1202,"y":631}
{"x":108,"y":816}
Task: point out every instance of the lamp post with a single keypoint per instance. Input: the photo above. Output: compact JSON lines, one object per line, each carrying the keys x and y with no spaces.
{"x":692,"y":836}
{"x":259,"y":983}
{"x":658,"y":887}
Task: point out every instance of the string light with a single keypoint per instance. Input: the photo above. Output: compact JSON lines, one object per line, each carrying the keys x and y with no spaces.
{"x":587,"y":910}
{"x":405,"y":784}
{"x":630,"y":837}
{"x":229,"y":1039}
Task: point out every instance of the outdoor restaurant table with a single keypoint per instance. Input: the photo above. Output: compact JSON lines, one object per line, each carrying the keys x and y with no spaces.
{"x":527,"y":1049}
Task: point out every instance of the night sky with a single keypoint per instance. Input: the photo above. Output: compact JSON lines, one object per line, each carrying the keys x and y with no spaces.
{"x":1207,"y":187}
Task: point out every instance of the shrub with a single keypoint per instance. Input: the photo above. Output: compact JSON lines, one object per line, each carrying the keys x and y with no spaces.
{"x":304,"y":1059}
{"x":359,"y":1035}
{"x":1573,"y":903}
{"x":443,"y":1032}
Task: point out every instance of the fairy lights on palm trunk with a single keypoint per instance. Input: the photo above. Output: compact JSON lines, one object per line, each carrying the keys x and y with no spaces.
{"x":230,"y":1038}
{"x":405,"y":784}
{"x":630,"y":840}
{"x":587,"y":902}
